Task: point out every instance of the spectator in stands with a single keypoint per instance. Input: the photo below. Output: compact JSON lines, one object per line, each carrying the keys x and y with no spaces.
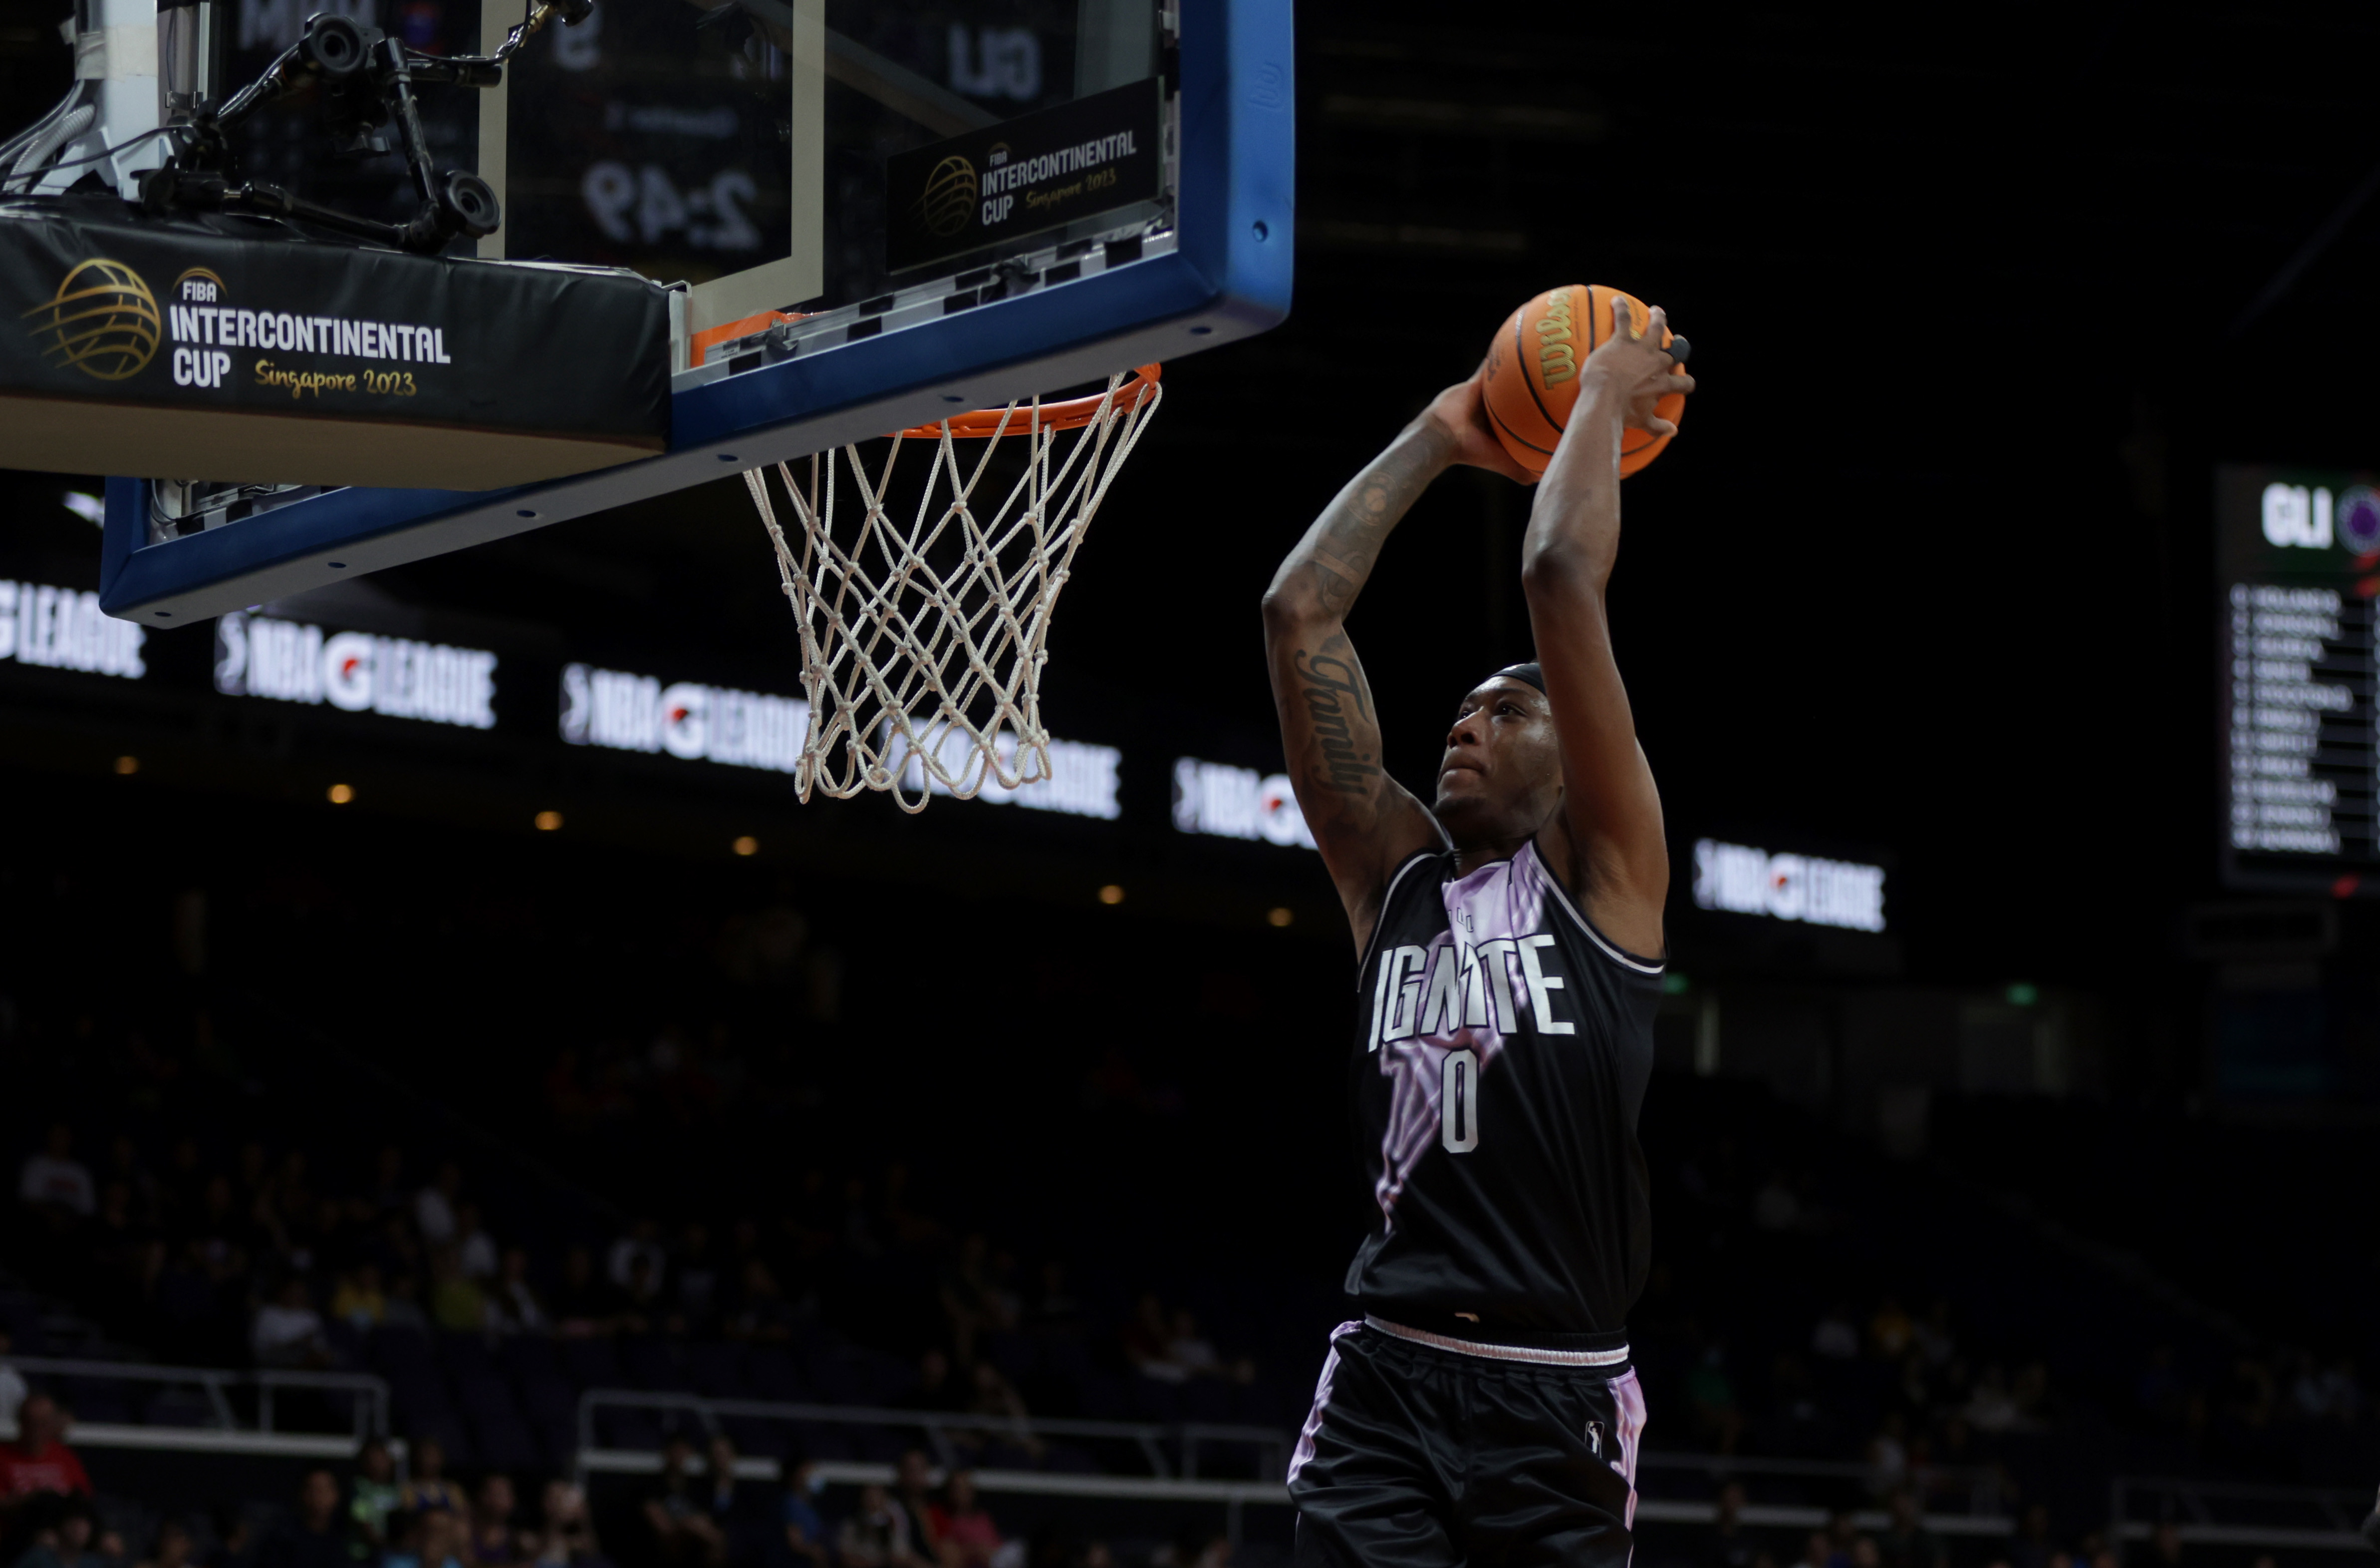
{"x":876,"y":1535}
{"x":235,"y":1537}
{"x":1775,"y":1207}
{"x":643,"y":1241}
{"x":38,"y":1461}
{"x":935,"y":1387}
{"x":641,"y":1297}
{"x":387,"y":1195}
{"x":372,"y":1497}
{"x":55,"y":1183}
{"x":433,"y":1206}
{"x":403,"y":1309}
{"x":456,"y":1303}
{"x":12,"y":1386}
{"x":726,"y":1499}
{"x":1710,"y":1396}
{"x":694,"y":1303}
{"x":405,"y":1532}
{"x":1935,"y":1340}
{"x":1907,"y":1543}
{"x":494,"y":1539}
{"x":1842,"y":1538}
{"x":684,"y":1533}
{"x":567,"y":1538}
{"x":2346,"y":1389}
{"x":474,"y":1248}
{"x":913,"y":1495}
{"x":1990,"y":1407}
{"x":358,"y":1300}
{"x":996,"y":1398}
{"x":1198,"y":1550}
{"x":2030,"y":1394}
{"x":287,"y":1192}
{"x":430,"y":1492}
{"x":1059,"y":1308}
{"x":69,"y":1537}
{"x":972,"y":1302}
{"x":1890,"y":1330}
{"x":2165,"y":1546}
{"x":1834,"y":1339}
{"x":584,"y":1305}
{"x":172,"y":1547}
{"x":1887,"y":1454}
{"x":287,"y":1332}
{"x":805,"y":1537}
{"x":513,"y":1301}
{"x":761,"y":1311}
{"x":1195,"y":1354}
{"x":1149,"y":1340}
{"x":431,"y":1540}
{"x":964,"y":1536}
{"x":1731,"y":1545}
{"x":2032,"y":1548}
{"x":319,"y":1536}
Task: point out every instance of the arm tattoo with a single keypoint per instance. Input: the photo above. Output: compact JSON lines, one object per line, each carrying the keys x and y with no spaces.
{"x":1333,"y":691}
{"x":1345,"y":541}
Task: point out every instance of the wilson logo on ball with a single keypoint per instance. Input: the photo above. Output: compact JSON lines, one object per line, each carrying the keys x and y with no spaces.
{"x":103,"y":321}
{"x":1557,"y":359}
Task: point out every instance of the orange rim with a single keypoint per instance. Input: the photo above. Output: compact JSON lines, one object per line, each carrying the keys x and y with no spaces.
{"x":1071,"y":414}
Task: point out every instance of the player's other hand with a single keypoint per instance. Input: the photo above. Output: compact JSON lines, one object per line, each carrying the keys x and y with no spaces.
{"x":1462,"y":413}
{"x":1633,"y":359}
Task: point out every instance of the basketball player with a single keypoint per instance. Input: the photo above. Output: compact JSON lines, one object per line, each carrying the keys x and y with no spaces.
{"x":1484,"y":1408}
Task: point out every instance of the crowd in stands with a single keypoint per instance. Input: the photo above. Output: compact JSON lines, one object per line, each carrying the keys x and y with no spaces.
{"x":275,"y":1260}
{"x":699,"y":1513}
{"x":1889,"y":1328}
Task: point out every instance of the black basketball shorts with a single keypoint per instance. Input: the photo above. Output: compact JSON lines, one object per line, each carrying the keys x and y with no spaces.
{"x":1425,"y":1450}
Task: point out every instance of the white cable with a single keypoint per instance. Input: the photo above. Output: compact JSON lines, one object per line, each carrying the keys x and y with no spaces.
{"x":15,"y":144}
{"x":73,"y":125}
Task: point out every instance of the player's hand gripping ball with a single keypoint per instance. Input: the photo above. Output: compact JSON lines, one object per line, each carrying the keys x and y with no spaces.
{"x":1530,"y":382}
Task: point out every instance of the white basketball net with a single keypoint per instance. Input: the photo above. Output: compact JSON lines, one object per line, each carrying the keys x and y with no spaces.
{"x":922,"y":635}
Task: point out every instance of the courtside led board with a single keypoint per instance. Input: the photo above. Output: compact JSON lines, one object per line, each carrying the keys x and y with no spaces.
{"x":881,"y":214}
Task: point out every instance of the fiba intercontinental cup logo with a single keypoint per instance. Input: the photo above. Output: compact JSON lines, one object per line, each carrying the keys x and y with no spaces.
{"x":948,"y":199}
{"x":103,"y":321}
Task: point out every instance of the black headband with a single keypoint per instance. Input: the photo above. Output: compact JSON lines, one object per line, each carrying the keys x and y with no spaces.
{"x":1531,"y":672}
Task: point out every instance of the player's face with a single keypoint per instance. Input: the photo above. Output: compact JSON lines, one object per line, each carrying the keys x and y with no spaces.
{"x":1502,"y":775}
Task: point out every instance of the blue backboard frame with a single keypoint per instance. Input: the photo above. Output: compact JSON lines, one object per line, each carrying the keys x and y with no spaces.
{"x":1222,"y":274}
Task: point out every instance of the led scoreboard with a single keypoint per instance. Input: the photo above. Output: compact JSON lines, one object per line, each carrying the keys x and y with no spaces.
{"x":2300,"y":563}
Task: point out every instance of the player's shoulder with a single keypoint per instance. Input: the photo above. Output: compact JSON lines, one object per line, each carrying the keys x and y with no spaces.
{"x":1566,"y":913}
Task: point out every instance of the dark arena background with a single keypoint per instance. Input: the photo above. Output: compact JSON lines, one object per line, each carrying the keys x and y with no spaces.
{"x":536,"y":1105}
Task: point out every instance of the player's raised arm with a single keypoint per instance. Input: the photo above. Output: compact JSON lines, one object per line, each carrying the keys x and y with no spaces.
{"x":1364,"y":821}
{"x":1607,"y":843}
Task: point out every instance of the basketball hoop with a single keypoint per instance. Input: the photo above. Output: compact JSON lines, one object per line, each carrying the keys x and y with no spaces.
{"x":922,"y":645}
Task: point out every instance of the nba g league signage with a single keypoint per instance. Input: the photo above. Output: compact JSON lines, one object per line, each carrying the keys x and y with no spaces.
{"x":1739,"y":879}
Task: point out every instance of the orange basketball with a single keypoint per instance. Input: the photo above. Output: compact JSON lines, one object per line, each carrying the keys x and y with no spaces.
{"x":1533,"y":374}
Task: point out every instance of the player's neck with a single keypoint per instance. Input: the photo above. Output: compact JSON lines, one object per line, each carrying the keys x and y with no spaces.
{"x":1470,"y":856}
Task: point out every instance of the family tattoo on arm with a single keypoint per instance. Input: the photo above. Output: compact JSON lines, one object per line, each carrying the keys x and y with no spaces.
{"x":1341,"y":554}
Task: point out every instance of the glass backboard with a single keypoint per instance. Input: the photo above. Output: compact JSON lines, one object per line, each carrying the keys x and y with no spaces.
{"x":877,"y":214}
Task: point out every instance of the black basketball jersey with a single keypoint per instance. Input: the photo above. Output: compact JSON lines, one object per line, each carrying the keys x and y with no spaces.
{"x":1502,"y":1047}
